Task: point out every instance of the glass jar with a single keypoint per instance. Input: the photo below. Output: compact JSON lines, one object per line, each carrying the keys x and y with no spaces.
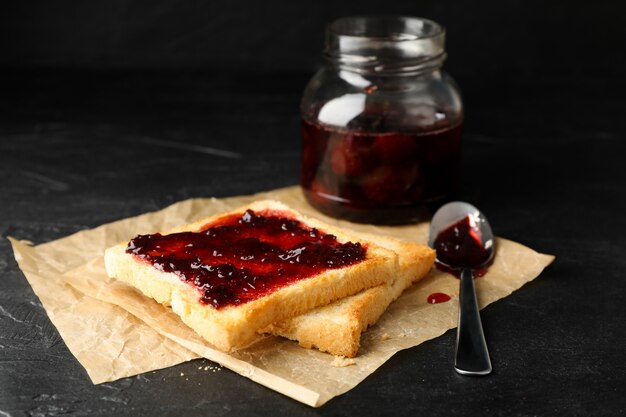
{"x":381,"y":123}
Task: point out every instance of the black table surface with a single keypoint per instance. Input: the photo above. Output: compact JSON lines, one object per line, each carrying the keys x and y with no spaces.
{"x":543,"y":158}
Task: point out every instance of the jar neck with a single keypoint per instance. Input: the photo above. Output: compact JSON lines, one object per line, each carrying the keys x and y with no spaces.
{"x":385,"y":46}
{"x":371,"y":66}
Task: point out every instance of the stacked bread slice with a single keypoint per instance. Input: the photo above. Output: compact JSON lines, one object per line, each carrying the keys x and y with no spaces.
{"x":328,"y":310}
{"x":336,"y":328}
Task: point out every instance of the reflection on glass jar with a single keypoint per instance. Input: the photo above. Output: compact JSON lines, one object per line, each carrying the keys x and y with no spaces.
{"x":381,"y":123}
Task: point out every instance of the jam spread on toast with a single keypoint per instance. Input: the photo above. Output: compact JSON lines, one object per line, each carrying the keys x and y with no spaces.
{"x":242,"y":257}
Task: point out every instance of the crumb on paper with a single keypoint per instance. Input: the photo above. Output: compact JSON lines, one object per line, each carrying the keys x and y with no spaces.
{"x":385,"y":336}
{"x":211,"y":368}
{"x":342,"y":362}
{"x":182,"y":374}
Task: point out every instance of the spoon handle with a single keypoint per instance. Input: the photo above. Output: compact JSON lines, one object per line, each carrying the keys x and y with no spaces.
{"x":472,"y":356}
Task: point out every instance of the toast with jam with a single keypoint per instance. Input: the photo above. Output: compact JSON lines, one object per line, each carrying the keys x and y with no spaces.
{"x":230,"y":275}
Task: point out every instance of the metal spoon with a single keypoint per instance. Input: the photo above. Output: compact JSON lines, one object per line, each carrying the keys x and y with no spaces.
{"x":472,"y":356}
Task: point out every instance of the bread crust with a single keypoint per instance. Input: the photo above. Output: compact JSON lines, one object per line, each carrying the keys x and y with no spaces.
{"x":337,"y":327}
{"x":233,"y":327}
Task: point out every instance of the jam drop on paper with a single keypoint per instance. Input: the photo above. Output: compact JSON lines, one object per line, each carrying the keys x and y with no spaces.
{"x":438,"y":297}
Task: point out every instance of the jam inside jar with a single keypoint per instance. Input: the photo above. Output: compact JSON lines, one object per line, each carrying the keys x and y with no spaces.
{"x":380,"y":178}
{"x":381,"y":136}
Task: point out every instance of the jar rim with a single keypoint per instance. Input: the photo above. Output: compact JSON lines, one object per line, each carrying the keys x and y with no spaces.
{"x":385,"y":44}
{"x":341,"y":27}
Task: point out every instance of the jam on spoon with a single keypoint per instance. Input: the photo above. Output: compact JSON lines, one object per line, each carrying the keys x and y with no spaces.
{"x":461,"y":245}
{"x":463,"y":239}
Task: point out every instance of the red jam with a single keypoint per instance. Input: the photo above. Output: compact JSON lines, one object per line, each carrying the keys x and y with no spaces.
{"x":460,"y":246}
{"x":240,"y":258}
{"x":438,"y":297}
{"x":379,"y":177}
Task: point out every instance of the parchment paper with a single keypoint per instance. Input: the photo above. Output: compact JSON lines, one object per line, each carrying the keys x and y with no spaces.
{"x":114,"y":331}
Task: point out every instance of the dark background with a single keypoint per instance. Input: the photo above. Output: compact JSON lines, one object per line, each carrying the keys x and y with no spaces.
{"x":107,"y":109}
{"x":508,"y":39}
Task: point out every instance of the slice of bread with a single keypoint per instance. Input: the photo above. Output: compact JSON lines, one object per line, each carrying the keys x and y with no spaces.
{"x":235,"y":326}
{"x":337,"y":327}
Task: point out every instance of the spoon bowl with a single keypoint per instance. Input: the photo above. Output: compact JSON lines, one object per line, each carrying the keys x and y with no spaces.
{"x":451,"y":214}
{"x":463,"y":239}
